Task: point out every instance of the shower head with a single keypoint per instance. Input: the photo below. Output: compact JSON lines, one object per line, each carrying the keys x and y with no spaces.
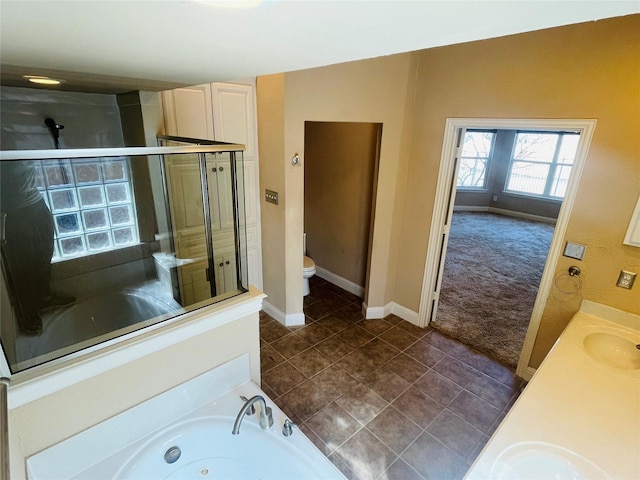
{"x":54,"y":128}
{"x":51,"y":123}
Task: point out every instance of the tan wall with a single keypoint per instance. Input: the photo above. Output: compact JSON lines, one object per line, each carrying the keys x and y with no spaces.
{"x":340,"y":159}
{"x":589,"y":71}
{"x":365,"y":91}
{"x":55,"y":417}
{"x":270,"y":105}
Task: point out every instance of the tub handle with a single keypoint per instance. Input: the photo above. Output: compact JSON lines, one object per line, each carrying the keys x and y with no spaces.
{"x":287,"y":428}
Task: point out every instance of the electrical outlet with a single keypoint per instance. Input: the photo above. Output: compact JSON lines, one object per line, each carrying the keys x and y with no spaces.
{"x":271,"y":196}
{"x":626,"y":279}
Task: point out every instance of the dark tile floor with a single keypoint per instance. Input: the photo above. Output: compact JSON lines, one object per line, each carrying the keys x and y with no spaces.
{"x":383,"y":399}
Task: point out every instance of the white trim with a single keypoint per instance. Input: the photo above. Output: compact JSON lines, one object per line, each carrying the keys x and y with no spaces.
{"x":528,"y":373}
{"x":294,"y":319}
{"x":375,"y":312}
{"x":526,"y":216}
{"x":341,"y":282}
{"x":469,"y":208}
{"x":273,"y":312}
{"x":435,"y":247}
{"x":428,"y":297}
{"x":219,"y":147}
{"x":632,"y":237}
{"x":47,"y":379}
{"x":286,"y":319}
{"x":404,"y":313}
{"x":390,"y":308}
{"x":507,"y":213}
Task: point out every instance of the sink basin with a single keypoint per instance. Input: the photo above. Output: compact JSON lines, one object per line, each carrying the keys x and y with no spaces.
{"x":537,"y":460}
{"x":613,"y":350}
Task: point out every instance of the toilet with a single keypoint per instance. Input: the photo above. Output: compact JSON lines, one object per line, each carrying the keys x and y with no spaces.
{"x":309,"y":269}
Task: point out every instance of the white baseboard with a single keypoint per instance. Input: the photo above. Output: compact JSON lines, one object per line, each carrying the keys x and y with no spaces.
{"x":507,"y":213}
{"x":526,"y":216}
{"x":375,"y":312}
{"x":273,"y":311}
{"x":341,"y":282}
{"x":527,"y":373}
{"x":469,"y":208}
{"x":294,"y":319}
{"x":390,"y":308}
{"x":288,"y":320}
{"x":404,"y":313}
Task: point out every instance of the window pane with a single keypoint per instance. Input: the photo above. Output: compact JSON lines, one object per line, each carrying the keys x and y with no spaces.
{"x":124,"y":236}
{"x":114,"y":170}
{"x":560,"y":181}
{"x":477,"y":144}
{"x":99,"y":240}
{"x":535,"y":146}
{"x":71,"y":247}
{"x":472,"y":172}
{"x":91,"y":196}
{"x":61,"y":200}
{"x":121,"y":215}
{"x":474,"y":160}
{"x":118,"y":192}
{"x":568,"y":149}
{"x":527,"y":177}
{"x":87,"y":172}
{"x":95,"y":219}
{"x":58,"y":174}
{"x":67,"y":224}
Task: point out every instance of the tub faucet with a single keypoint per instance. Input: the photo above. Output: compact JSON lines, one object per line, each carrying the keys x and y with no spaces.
{"x":266,"y":417}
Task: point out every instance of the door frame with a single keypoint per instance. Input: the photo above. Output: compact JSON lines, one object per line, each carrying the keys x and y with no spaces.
{"x":443,"y":210}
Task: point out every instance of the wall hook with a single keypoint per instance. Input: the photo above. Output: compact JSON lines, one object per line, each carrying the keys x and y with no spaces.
{"x":295,"y":160}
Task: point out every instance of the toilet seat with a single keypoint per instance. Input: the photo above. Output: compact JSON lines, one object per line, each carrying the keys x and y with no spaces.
{"x":309,"y":265}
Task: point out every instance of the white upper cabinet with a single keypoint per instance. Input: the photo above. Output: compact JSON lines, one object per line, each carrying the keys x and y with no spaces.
{"x":234,"y":115}
{"x":188,"y":112}
{"x":225,"y":112}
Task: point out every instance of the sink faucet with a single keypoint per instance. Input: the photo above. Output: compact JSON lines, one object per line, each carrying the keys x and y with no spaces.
{"x":266,"y":417}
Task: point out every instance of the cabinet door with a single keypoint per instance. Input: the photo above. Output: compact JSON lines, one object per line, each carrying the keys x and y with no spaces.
{"x":194,"y":286}
{"x":234,"y":118}
{"x":220,"y":276}
{"x":230,"y":274}
{"x":224,"y":197}
{"x":188,"y":113}
{"x":186,"y":197}
{"x":214,"y":196}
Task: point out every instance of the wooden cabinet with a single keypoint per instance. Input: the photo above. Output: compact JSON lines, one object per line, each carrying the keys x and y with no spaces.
{"x":222,"y":112}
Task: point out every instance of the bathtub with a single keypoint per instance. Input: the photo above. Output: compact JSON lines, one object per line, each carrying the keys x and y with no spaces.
{"x":157,"y":440}
{"x":96,"y":318}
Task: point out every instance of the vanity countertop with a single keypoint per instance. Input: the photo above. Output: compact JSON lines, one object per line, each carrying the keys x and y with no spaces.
{"x":579,"y":416}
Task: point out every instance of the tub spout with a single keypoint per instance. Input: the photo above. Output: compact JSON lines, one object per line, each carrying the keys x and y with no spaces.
{"x":266,"y":417}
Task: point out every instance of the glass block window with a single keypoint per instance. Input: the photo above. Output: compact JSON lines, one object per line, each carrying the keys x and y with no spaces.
{"x":92,"y":205}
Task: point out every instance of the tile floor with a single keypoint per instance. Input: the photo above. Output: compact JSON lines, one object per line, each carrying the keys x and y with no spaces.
{"x":383,"y":399}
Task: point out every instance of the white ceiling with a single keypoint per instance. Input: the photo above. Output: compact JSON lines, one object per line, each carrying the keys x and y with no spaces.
{"x":190,"y":42}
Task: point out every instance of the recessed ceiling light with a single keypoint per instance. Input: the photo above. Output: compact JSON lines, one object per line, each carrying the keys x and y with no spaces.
{"x":42,"y":80}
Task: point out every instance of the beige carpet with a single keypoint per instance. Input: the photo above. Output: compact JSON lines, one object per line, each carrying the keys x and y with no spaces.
{"x":491,"y":276}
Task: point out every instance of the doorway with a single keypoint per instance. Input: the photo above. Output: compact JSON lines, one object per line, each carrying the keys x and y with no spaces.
{"x":451,"y":161}
{"x":341,"y":161}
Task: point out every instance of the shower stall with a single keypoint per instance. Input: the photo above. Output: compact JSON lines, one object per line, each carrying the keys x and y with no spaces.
{"x":125,"y":238}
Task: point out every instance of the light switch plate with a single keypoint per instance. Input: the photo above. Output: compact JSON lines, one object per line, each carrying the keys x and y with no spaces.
{"x":574,"y":250}
{"x":271,"y":196}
